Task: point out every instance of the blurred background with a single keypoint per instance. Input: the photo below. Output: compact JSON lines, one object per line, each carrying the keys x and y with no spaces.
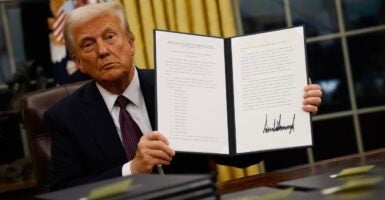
{"x":346,"y":56}
{"x":345,"y":41}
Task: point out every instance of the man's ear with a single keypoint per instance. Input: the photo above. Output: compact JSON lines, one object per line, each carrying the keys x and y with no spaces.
{"x":79,"y":64}
{"x":132,"y":44}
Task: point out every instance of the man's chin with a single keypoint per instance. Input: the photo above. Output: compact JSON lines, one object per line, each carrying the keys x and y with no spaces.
{"x":112,"y":77}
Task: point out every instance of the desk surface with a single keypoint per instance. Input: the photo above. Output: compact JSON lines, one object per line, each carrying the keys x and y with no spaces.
{"x":18,"y":185}
{"x":271,"y":179}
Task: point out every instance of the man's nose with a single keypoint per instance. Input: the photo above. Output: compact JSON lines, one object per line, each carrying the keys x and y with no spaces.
{"x":102,"y":49}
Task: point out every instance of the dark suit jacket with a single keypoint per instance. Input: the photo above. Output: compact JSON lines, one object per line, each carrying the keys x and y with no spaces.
{"x":86,"y":146}
{"x":85,"y":143}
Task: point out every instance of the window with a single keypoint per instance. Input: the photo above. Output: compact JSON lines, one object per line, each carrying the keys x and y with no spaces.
{"x":24,"y":38}
{"x":345,"y":52}
{"x":5,"y":67}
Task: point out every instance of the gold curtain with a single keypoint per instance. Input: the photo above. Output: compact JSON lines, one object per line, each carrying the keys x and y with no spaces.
{"x":206,"y":17}
{"x":227,"y":173}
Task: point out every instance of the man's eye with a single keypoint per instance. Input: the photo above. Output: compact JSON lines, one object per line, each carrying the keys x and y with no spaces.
{"x":87,"y":46}
{"x":110,"y":36}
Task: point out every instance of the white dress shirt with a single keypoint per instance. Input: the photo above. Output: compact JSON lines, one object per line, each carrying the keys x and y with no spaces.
{"x":137,"y":109}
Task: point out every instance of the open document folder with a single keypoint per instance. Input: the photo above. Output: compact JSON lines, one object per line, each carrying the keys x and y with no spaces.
{"x":232,"y":95}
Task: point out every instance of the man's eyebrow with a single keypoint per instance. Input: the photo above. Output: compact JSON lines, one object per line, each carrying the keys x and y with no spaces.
{"x":106,"y":28}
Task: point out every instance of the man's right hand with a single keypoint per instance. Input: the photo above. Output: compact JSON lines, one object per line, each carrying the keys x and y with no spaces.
{"x":152,"y":150}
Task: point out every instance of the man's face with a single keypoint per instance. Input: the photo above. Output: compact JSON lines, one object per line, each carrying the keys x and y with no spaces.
{"x":103,"y":51}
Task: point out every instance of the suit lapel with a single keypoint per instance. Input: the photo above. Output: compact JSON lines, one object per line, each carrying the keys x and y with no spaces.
{"x":101,"y":124}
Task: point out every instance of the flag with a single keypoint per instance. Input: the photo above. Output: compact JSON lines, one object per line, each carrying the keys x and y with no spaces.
{"x":64,"y":69}
{"x":58,"y":25}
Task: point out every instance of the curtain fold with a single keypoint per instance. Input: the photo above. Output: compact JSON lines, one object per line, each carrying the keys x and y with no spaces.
{"x":171,"y":14}
{"x":213,"y":18}
{"x":226,"y":173}
{"x":198,"y":17}
{"x":227,"y":18}
{"x":133,"y":17}
{"x":148,"y":25}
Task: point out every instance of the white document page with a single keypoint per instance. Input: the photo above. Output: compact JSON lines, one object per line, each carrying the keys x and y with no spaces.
{"x":269,"y":73}
{"x":191,"y":92}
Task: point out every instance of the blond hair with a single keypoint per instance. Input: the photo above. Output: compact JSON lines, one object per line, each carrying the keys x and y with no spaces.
{"x":86,"y":13}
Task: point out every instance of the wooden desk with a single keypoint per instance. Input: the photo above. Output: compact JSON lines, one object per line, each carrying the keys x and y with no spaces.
{"x":271,"y":179}
{"x":23,"y":189}
{"x":18,"y":185}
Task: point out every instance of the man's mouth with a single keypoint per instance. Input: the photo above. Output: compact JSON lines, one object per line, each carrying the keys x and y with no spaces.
{"x":108,"y":66}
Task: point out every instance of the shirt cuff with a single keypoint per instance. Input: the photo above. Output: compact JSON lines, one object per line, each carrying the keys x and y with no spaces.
{"x":126,"y":169}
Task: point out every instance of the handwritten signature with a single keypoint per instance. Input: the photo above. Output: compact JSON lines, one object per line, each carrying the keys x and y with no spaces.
{"x":277,"y":126}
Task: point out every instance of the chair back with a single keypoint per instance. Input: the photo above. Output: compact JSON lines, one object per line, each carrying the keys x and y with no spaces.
{"x":33,"y":107}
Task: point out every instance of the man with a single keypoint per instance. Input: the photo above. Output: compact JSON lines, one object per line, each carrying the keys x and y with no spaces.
{"x":87,"y":134}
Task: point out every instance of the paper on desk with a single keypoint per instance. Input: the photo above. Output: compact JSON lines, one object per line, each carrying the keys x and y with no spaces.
{"x":353,"y":171}
{"x":353,"y":184}
{"x":276,"y":195}
{"x":110,"y":190}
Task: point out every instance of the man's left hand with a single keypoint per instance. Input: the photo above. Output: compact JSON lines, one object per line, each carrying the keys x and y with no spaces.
{"x":312,"y":98}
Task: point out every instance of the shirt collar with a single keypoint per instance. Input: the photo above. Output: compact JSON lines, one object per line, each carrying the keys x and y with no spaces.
{"x":132,"y":92}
